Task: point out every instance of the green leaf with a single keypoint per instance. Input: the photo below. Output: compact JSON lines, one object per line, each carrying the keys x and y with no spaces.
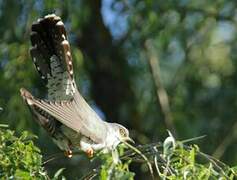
{"x":58,"y":173}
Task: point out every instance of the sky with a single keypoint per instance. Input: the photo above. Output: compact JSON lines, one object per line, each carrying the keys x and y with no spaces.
{"x":115,"y":21}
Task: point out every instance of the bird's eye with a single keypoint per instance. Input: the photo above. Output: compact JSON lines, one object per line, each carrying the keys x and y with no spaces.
{"x":122,"y":132}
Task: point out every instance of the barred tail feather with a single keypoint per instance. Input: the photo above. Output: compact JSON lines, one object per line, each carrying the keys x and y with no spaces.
{"x":52,"y":57}
{"x":47,"y":121}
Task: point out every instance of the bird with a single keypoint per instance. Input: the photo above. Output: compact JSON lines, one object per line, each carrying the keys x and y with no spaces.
{"x":64,"y":113}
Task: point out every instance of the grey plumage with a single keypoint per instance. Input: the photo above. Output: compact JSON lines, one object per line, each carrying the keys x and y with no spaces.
{"x":65,"y":115}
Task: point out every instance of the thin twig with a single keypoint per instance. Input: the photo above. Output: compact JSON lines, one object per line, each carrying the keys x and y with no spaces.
{"x":52,"y":158}
{"x":193,"y":139}
{"x":90,"y":175}
{"x":156,"y":162}
{"x":59,"y":156}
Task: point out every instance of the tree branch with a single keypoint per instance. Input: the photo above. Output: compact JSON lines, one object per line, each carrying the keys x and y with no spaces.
{"x":162,"y":96}
{"x":220,"y":150}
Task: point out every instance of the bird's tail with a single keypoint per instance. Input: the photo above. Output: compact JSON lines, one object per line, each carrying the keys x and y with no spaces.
{"x":52,"y":57}
{"x":47,"y":121}
{"x":49,"y":38}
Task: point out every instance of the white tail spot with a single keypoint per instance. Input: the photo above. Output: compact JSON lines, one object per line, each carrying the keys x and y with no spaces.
{"x":29,"y":102}
{"x":68,"y":53}
{"x":34,"y":59}
{"x":38,"y":68}
{"x":63,"y":36}
{"x":57,"y":18}
{"x":71,"y":72}
{"x":59,"y":23}
{"x":65,"y":42}
{"x":49,"y":16}
{"x":40,"y":19}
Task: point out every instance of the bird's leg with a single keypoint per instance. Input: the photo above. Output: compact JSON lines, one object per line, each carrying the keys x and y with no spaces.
{"x":86,"y":146}
{"x":90,"y":152}
{"x":68,"y":153}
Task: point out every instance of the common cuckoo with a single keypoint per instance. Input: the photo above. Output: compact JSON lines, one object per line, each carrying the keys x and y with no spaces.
{"x":65,"y":115}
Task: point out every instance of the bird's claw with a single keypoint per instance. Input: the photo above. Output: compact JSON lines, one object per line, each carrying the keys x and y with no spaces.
{"x":90,"y":152}
{"x":68,"y":153}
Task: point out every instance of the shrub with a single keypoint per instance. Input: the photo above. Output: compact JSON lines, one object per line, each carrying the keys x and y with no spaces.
{"x":19,"y":157}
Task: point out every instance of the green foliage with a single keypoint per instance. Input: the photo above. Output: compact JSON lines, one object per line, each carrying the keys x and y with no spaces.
{"x":58,"y":174}
{"x":109,"y":170}
{"x":175,"y":160}
{"x":114,"y":169}
{"x":171,"y":160}
{"x":188,"y":162}
{"x":19,"y":157}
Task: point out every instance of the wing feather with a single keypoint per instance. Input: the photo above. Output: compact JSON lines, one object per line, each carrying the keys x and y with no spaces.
{"x":81,"y":119}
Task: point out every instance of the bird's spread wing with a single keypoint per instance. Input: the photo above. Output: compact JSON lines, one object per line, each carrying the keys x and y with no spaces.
{"x":52,"y":57}
{"x":75,"y":114}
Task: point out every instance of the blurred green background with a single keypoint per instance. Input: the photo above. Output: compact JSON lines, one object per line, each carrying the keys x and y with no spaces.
{"x":129,"y":57}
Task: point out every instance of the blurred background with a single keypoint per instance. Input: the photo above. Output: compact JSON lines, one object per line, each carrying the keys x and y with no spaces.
{"x":150,"y":65}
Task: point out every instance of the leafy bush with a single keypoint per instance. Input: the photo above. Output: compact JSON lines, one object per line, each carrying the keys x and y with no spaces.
{"x":19,"y":157}
{"x":169,"y":160}
{"x":175,"y":160}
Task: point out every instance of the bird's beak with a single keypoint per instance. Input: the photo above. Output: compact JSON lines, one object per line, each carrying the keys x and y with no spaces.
{"x":128,"y":139}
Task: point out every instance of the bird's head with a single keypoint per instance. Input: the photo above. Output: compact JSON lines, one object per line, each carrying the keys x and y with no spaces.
{"x":122,"y":133}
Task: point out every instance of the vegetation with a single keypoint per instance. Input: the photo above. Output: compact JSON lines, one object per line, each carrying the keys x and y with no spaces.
{"x":150,"y":65}
{"x":21,"y":159}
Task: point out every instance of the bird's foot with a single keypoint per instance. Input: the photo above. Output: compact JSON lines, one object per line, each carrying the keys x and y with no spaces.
{"x":90,"y":152}
{"x":68,"y":153}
